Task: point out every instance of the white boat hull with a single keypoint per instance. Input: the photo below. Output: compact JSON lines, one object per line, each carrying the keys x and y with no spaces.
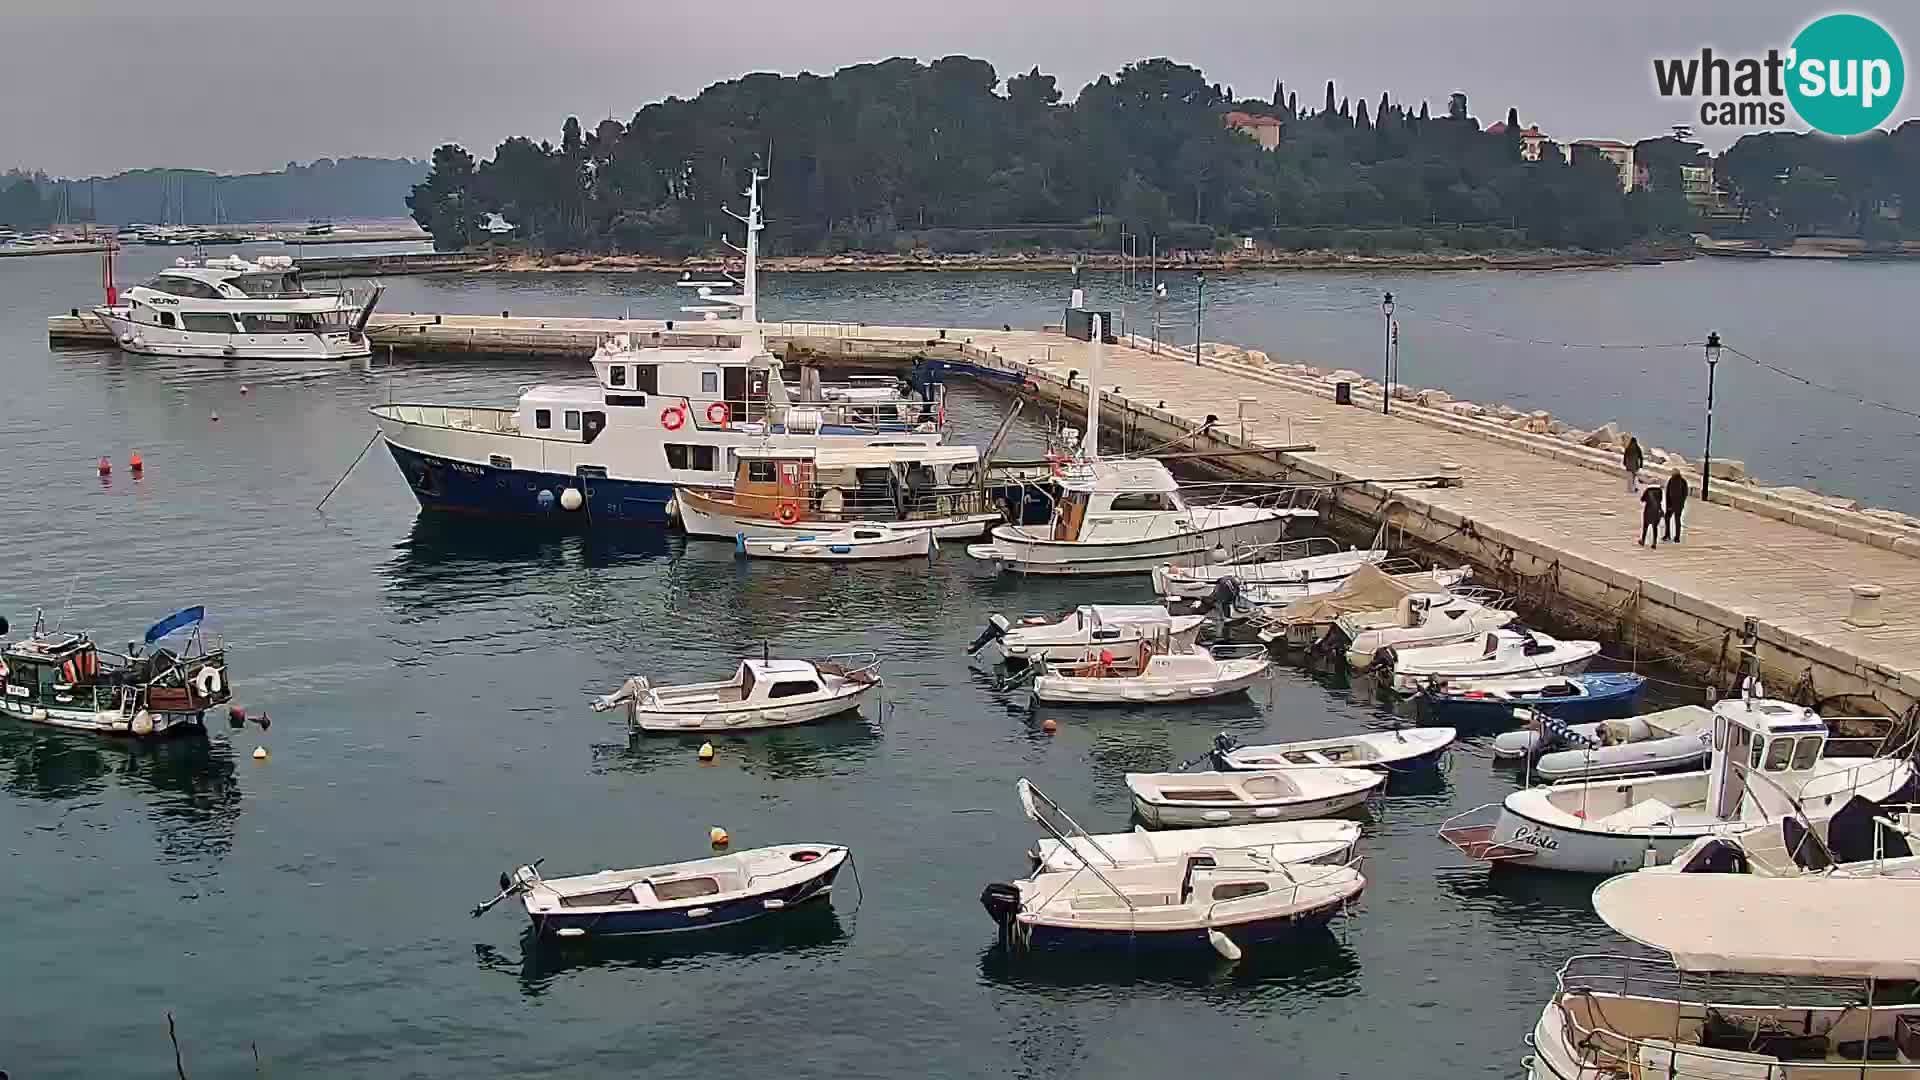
{"x":1307,"y":841}
{"x":837,"y":547}
{"x":1232,"y":677}
{"x":1018,"y":549}
{"x":1174,"y":816}
{"x":99,"y":722}
{"x":753,"y":718}
{"x":1174,"y":582}
{"x":150,"y":340}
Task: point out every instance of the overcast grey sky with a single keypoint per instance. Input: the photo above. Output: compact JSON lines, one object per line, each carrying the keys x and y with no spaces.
{"x":96,"y":86}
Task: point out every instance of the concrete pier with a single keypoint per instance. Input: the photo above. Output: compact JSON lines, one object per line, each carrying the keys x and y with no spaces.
{"x":1550,"y":522}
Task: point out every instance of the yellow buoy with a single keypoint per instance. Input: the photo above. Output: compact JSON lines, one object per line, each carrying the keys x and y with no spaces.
{"x":718,"y":836}
{"x":259,"y":753}
{"x":706,"y":751}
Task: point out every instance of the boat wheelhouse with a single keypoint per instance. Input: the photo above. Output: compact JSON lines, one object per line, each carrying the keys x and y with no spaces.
{"x":233,"y":308}
{"x":669,"y":409}
{"x":798,"y":490}
{"x":64,"y":679}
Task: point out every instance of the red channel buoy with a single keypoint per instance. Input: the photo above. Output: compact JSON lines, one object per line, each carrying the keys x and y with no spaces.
{"x":136,"y":463}
{"x":106,"y":466}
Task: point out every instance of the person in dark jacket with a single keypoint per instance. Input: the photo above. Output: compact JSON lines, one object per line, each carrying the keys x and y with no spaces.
{"x":1631,"y":461}
{"x":1676,"y":501}
{"x":1650,"y":515}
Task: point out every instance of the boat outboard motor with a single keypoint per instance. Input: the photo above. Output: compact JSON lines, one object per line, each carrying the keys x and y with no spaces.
{"x":1002,"y":901}
{"x":1851,"y":835}
{"x":1806,"y":849}
{"x":1223,"y":744}
{"x":997,"y":627}
{"x":1717,"y":856}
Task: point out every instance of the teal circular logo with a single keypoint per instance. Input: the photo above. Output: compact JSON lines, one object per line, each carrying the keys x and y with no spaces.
{"x":1846,"y":75}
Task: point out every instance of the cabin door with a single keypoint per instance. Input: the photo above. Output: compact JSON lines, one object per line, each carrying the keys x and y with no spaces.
{"x":733,"y":386}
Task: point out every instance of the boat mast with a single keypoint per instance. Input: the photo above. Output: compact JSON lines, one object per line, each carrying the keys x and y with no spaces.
{"x":1090,"y":442}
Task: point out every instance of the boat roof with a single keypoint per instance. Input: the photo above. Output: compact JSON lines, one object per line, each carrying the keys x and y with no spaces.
{"x":1771,"y":716}
{"x":1120,"y":475}
{"x":47,"y":646}
{"x":1120,"y":613}
{"x":871,"y":456}
{"x":1809,"y":926}
{"x":565,"y":394}
{"x":763,"y":668}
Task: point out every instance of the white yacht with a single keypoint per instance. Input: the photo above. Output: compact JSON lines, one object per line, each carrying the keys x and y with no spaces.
{"x":233,"y":308}
{"x":663,"y":413}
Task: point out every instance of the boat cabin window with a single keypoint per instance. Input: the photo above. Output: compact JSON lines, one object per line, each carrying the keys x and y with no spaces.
{"x":793,"y":688}
{"x":760,"y":472}
{"x":265,"y":286}
{"x":709,"y":382}
{"x":220,"y":323}
{"x":684,"y":456}
{"x":1753,"y":761}
{"x":1234,"y":890}
{"x":184,"y":286}
{"x":1143,"y":500}
{"x":1807,"y":751}
{"x":685,"y":888}
{"x":543,"y":418}
{"x":166,"y":318}
{"x":266,"y":322}
{"x":591,"y":425}
{"x":868,"y":534}
{"x":573,"y":419}
{"x":617,"y":375}
{"x":1779,"y":753}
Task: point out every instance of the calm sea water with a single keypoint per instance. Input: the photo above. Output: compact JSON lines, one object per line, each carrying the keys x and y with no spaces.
{"x":428,"y":688}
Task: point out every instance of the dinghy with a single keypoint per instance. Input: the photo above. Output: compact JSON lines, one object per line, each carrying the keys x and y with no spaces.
{"x":762,"y":694}
{"x":861,"y":540}
{"x":1672,"y":740}
{"x":1012,"y":644}
{"x":1420,"y":620}
{"x":1773,"y":763}
{"x":1226,"y":900}
{"x":1567,"y":698}
{"x":1498,"y":653}
{"x":1399,"y":750}
{"x":1310,"y":841}
{"x":1181,"y":800}
{"x":702,"y":894}
{"x":1141,"y":674}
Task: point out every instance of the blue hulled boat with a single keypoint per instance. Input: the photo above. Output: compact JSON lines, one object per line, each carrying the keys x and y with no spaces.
{"x":1491,"y":702}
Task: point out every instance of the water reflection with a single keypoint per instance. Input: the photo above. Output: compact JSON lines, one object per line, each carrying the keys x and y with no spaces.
{"x":189,"y":781}
{"x":832,"y":747}
{"x":1316,"y":962}
{"x":812,"y":929}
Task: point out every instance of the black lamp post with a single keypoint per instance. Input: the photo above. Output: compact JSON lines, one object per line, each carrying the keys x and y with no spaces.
{"x":1199,"y":301}
{"x":1386,"y":362}
{"x":1713,"y":361}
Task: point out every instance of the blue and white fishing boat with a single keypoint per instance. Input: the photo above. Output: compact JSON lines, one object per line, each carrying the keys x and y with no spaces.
{"x":1570,"y":698}
{"x":674,"y":898}
{"x":667,"y":410}
{"x":1401,"y":750}
{"x":64,"y":679}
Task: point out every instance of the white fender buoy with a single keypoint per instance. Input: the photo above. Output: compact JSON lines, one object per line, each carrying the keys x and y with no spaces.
{"x":718,"y":836}
{"x":259,"y":753}
{"x":40,"y":715}
{"x":143,"y":723}
{"x":1223,"y":945}
{"x":570,"y":932}
{"x":571,"y":499}
{"x":706,"y":751}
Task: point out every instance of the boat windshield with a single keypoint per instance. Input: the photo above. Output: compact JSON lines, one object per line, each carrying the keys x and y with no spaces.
{"x":267,"y":286}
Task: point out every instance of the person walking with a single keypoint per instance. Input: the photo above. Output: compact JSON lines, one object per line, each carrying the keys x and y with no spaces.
{"x":1650,"y":515}
{"x":1676,"y":501}
{"x":1631,"y":461}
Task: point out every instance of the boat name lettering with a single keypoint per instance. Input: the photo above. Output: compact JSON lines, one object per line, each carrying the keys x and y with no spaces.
{"x":160,"y":301}
{"x":19,"y":691}
{"x":1527,"y":834}
{"x":459,"y":466}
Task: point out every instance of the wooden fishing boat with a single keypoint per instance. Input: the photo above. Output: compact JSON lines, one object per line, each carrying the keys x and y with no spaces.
{"x":808,"y":490}
{"x":861,"y":540}
{"x":1140,"y":674}
{"x":762,"y":693}
{"x":1400,"y":750}
{"x":1570,"y":698}
{"x":1089,"y":626}
{"x":1176,"y":800}
{"x":65,"y":680}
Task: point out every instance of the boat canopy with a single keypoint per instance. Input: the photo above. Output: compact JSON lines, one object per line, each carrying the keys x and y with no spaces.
{"x":1820,"y":926}
{"x":1129,"y":475}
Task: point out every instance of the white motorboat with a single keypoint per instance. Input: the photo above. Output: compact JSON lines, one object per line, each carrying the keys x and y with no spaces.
{"x":1671,"y":740}
{"x":1761,"y":979}
{"x":1401,"y":750}
{"x":805,"y":489}
{"x":1309,"y":841}
{"x":1305,"y":620}
{"x":1496,"y":653}
{"x":1862,"y":840}
{"x":761,"y":694}
{"x":861,"y":540}
{"x":230,"y":308}
{"x":683,"y":897}
{"x":1420,"y":620}
{"x":1138,"y":673}
{"x":1305,"y":561}
{"x":1088,"y":626}
{"x":63,"y":679}
{"x":1186,"y":799}
{"x":1226,"y":900}
{"x":1769,"y":761}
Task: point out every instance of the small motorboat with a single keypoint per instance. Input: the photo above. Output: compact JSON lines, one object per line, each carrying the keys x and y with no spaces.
{"x":1420,"y":620}
{"x":1005,"y":642}
{"x":702,"y":894}
{"x":860,"y":540}
{"x":763,"y":693}
{"x":1310,"y":841}
{"x":1672,"y":740}
{"x":1306,"y":561}
{"x":1565,"y":697}
{"x":1498,"y":653}
{"x":64,"y":679}
{"x":1222,"y":899}
{"x":1185,"y":800}
{"x":1399,"y":750}
{"x":1140,"y":674}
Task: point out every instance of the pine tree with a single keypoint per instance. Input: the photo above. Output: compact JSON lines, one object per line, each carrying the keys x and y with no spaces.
{"x":1360,"y":119}
{"x":1279,"y":96}
{"x":1423,"y":112}
{"x":1293,"y":106}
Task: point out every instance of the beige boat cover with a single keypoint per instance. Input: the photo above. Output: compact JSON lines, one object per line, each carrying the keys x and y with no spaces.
{"x":1859,"y":928}
{"x":1369,"y":589}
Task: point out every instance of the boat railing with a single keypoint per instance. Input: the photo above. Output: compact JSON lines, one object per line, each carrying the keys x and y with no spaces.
{"x":1283,"y":550}
{"x":1295,"y":883}
{"x":486,"y":419}
{"x":1485,"y":596}
{"x":1237,"y":652}
{"x":862,"y":504}
{"x":1657,"y":977}
{"x":857,"y":666}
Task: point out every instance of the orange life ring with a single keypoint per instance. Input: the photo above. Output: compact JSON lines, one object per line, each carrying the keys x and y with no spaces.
{"x":718,"y":413}
{"x":787,"y":514}
{"x":672,"y":417}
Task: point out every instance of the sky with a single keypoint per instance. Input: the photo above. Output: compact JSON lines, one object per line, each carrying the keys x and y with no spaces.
{"x":96,"y":86}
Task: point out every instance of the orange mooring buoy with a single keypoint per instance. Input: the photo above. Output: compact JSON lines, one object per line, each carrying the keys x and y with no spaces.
{"x":135,"y":462}
{"x":106,"y":466}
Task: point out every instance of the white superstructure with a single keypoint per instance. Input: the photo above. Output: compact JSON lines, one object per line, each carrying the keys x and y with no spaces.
{"x":233,"y":308}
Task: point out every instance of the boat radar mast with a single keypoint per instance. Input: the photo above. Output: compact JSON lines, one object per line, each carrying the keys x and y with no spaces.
{"x":743,"y":305}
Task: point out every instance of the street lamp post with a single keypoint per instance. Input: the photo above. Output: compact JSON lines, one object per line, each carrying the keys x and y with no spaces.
{"x":1386,"y":362}
{"x":1706,"y":467}
{"x":1199,"y":301}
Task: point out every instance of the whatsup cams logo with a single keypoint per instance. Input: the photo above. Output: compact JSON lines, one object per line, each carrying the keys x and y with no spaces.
{"x":1842,"y":75}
